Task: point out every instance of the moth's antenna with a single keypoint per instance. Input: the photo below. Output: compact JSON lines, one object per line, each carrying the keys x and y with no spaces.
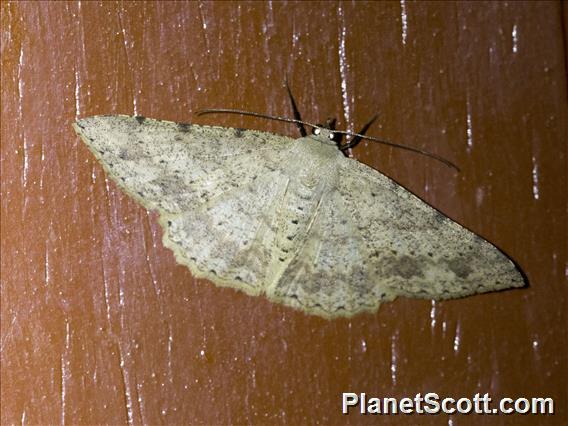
{"x":353,"y":142}
{"x":254,"y":114}
{"x":356,"y":136}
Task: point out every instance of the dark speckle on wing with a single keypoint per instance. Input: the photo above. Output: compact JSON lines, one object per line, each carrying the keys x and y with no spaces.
{"x":460,"y":267}
{"x":403,"y":266}
{"x":184,"y":127}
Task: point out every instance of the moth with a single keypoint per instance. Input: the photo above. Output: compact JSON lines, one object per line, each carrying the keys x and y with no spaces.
{"x":292,"y":219}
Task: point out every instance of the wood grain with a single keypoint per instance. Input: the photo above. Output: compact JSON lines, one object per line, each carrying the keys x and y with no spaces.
{"x":98,"y":323}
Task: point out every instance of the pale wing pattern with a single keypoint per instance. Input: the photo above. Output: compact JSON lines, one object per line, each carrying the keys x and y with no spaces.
{"x":171,"y":166}
{"x":329,"y":275}
{"x":229,"y":238}
{"x":412,"y":249}
{"x":372,"y":240}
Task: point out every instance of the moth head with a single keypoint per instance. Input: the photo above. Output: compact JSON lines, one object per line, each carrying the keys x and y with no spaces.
{"x":325,"y":133}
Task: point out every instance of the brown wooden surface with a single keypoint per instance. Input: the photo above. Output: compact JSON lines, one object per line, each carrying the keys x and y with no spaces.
{"x":99,"y":324}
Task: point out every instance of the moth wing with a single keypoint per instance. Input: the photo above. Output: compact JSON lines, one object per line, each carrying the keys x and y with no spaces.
{"x":228,"y":239}
{"x":414,"y":250}
{"x":372,"y":240}
{"x":171,"y":166}
{"x":329,"y":274}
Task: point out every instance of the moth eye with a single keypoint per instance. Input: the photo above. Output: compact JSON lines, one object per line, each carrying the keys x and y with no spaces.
{"x":317,"y":131}
{"x":332,"y":136}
